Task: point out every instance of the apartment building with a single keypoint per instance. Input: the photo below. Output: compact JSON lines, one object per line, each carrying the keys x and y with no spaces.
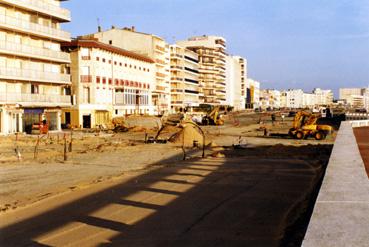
{"x":184,"y":70}
{"x":270,"y":99}
{"x":212,"y":60}
{"x":148,"y":45}
{"x":253,"y":94}
{"x":235,"y":82}
{"x":323,"y":97}
{"x":34,"y":79}
{"x":107,"y":81}
{"x":355,"y":97}
{"x":295,"y":98}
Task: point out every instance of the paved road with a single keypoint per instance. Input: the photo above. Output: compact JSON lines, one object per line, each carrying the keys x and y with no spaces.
{"x":248,"y":198}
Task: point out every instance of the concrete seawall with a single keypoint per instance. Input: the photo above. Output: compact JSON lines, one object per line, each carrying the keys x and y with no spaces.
{"x":341,"y":212}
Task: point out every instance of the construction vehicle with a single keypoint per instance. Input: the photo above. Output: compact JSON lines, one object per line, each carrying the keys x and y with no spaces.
{"x":304,"y":125}
{"x":213,"y":117}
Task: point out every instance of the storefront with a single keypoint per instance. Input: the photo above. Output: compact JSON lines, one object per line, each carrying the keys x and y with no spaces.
{"x":10,"y":120}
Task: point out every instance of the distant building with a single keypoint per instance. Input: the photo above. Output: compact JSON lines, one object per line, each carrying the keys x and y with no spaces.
{"x":108,"y":82}
{"x":253,"y":94}
{"x":235,"y":82}
{"x":184,"y":70}
{"x":270,"y":99}
{"x":357,"y":98}
{"x":148,"y":45}
{"x":294,"y":98}
{"x":212,"y":60}
{"x":323,"y":97}
{"x":34,"y":79}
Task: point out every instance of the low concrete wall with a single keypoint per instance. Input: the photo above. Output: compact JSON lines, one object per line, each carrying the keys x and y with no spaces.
{"x":359,"y":123}
{"x":341,"y":212}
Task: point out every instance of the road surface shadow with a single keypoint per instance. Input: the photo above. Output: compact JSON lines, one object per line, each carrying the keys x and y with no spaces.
{"x":251,"y":197}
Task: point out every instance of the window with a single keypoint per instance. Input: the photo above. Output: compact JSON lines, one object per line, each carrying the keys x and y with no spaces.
{"x":86,"y":95}
{"x":104,"y":60}
{"x":104,"y":80}
{"x":34,"y":89}
{"x":125,"y":65}
{"x":109,"y":61}
{"x":98,"y":79}
{"x":97,"y":59}
{"x":115,"y":62}
{"x":85,"y":53}
{"x":110,"y":42}
{"x":110,"y":81}
{"x":120,"y":64}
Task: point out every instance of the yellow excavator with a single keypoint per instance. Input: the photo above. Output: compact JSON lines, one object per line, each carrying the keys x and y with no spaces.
{"x":304,"y":125}
{"x":213,"y":117}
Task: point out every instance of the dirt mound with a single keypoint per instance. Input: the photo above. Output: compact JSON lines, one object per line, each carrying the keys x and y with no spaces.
{"x":187,"y":136}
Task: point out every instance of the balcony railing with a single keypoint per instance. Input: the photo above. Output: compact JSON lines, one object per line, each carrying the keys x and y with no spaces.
{"x":43,"y":7}
{"x":37,"y":29}
{"x":34,"y":51}
{"x":22,"y":98}
{"x":34,"y":75}
{"x":86,"y":78}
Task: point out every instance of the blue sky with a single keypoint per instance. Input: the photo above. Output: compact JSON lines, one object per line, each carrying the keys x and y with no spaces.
{"x":288,"y":43}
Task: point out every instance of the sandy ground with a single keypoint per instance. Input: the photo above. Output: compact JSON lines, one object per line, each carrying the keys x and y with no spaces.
{"x":239,"y":199}
{"x":96,"y":157}
{"x":362,"y":138}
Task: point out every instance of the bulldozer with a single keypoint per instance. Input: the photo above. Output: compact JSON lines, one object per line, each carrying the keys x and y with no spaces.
{"x":305,"y":125}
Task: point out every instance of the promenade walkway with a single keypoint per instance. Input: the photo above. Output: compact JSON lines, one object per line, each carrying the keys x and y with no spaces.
{"x":341,"y":213}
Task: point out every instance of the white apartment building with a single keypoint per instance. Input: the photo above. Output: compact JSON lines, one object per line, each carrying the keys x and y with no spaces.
{"x":108,"y":82}
{"x":323,"y":97}
{"x":184,"y":70}
{"x":148,"y":45}
{"x":270,"y":98}
{"x":253,"y":94}
{"x":235,"y":82}
{"x":310,"y":100}
{"x":212,"y":60}
{"x":294,"y":98}
{"x":34,"y":81}
{"x":355,"y":97}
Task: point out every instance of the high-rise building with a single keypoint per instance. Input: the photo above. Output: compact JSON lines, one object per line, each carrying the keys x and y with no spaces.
{"x":184,"y":69}
{"x":212,"y":60}
{"x":34,"y":79}
{"x":235,"y":82}
{"x":148,"y":45}
{"x":270,"y":99}
{"x":323,"y":97}
{"x":107,"y":82}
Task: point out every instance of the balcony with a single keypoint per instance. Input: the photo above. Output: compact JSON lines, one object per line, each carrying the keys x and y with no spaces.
{"x":34,"y":75}
{"x":86,"y":78}
{"x":35,"y":99}
{"x":160,"y":48}
{"x":34,"y":52}
{"x":33,"y":28}
{"x":42,"y":7}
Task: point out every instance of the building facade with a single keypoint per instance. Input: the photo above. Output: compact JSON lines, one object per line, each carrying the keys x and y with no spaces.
{"x":148,"y":45}
{"x":294,"y":98}
{"x":252,"y":94}
{"x":323,"y":97}
{"x":235,"y":82}
{"x":355,"y":97}
{"x":107,"y":82}
{"x":212,"y":60}
{"x":270,"y":99}
{"x":34,"y":77}
{"x":184,"y":71}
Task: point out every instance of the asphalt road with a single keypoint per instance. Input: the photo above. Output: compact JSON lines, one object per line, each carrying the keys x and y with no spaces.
{"x":255,"y":197}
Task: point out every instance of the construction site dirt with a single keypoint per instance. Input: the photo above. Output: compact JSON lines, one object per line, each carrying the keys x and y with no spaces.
{"x":362,"y":138}
{"x":113,"y":189}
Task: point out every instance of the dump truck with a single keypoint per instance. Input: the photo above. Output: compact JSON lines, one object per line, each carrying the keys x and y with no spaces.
{"x":305,"y":125}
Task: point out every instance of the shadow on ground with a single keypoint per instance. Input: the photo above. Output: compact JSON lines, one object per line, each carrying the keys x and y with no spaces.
{"x":251,"y":197}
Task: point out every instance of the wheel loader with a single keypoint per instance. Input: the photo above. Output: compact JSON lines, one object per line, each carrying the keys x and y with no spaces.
{"x":304,"y":125}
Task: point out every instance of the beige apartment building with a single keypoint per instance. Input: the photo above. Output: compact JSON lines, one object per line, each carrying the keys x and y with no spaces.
{"x":148,"y":45}
{"x":107,"y":82}
{"x":212,"y":60}
{"x":236,"y":78}
{"x":184,"y":69}
{"x":34,"y":80}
